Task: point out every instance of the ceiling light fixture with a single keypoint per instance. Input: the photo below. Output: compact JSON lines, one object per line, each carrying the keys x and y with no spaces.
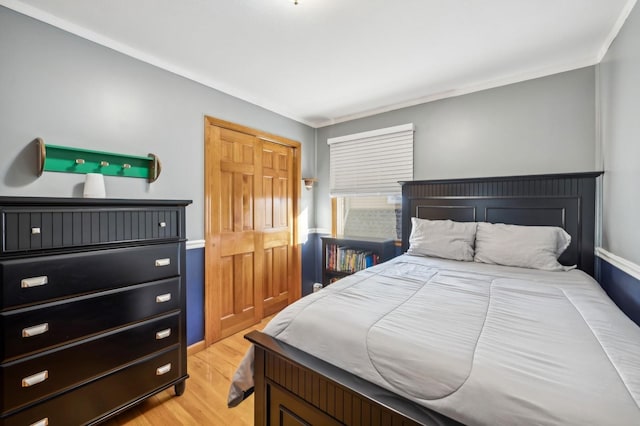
{"x":295,"y":2}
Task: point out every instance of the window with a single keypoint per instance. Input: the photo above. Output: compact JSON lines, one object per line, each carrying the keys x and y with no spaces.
{"x":365,"y":169}
{"x":377,"y":216}
{"x":371,"y":163}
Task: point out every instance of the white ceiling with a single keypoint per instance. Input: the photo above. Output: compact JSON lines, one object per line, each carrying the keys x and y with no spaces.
{"x":327,"y":61}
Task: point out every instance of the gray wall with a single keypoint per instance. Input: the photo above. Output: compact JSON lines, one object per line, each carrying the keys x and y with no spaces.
{"x":619,"y":84}
{"x":546,"y":125}
{"x":72,"y":92}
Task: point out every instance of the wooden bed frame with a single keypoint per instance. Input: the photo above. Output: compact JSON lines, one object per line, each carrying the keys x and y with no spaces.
{"x":293,"y":387}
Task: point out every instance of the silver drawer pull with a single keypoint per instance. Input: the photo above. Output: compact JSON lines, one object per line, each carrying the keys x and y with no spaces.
{"x":162,"y":224}
{"x":35,"y":231}
{"x":163,"y":370}
{"x":163,"y":262}
{"x":35,"y":330}
{"x":34,"y":281}
{"x":163,"y":298}
{"x":35,"y":379}
{"x":163,"y":334}
{"x":43,"y":422}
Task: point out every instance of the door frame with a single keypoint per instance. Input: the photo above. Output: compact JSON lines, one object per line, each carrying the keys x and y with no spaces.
{"x":211,"y":291}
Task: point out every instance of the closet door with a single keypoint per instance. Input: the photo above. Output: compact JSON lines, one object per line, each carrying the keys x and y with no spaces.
{"x":236,"y":263}
{"x":252,"y":266}
{"x":277,"y":192}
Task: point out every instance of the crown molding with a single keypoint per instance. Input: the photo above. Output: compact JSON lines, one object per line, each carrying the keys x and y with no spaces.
{"x":476,"y":87}
{"x":143,"y":56}
{"x":148,"y":58}
{"x":617,"y":26}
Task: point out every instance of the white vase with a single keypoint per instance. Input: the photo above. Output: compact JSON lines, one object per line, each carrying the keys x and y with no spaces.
{"x":94,"y":186}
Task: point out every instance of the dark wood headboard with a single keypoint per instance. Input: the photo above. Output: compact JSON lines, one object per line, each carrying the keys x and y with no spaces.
{"x":564,"y":200}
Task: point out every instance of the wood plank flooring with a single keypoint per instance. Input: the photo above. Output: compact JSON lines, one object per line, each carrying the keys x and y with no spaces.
{"x":204,"y":401}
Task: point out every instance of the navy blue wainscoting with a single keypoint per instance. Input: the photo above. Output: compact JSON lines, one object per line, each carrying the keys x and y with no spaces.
{"x":195,"y":295}
{"x":311,"y":262}
{"x":621,"y":287}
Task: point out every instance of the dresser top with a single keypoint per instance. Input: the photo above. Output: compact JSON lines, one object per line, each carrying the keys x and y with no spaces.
{"x":78,"y":201}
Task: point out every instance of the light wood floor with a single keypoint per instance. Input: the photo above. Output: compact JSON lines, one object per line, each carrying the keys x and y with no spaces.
{"x":204,"y":401}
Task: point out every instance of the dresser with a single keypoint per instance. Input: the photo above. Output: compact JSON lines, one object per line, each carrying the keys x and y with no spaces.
{"x":92,"y":309}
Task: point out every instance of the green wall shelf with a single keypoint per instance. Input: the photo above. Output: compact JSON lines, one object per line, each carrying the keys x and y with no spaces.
{"x":54,"y":158}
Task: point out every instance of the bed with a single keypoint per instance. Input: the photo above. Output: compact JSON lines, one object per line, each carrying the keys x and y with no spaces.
{"x":530,"y":347}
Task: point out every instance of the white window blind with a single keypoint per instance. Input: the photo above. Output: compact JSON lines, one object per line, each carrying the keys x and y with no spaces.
{"x":371,"y":162}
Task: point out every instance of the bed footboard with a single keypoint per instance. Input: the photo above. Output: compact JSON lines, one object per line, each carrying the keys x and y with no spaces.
{"x":293,"y":387}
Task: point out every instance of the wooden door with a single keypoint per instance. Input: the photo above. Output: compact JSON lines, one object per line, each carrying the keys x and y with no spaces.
{"x":277,"y":192}
{"x":252,"y":266}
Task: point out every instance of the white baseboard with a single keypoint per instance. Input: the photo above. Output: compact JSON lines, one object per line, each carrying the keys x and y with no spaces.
{"x":619,"y":262}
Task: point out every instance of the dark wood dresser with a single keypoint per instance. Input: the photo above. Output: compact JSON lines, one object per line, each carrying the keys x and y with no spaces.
{"x":92,"y":309}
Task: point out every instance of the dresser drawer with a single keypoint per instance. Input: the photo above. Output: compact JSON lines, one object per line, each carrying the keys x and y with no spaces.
{"x":88,"y":403}
{"x":31,"y":379}
{"x":36,"y":328}
{"x":37,"y":229}
{"x":35,"y":280}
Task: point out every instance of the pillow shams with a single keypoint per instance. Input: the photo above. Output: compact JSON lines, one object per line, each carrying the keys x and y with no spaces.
{"x":536,"y":247}
{"x":442,"y":238}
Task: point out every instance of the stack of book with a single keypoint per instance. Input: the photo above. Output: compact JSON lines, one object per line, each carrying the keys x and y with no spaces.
{"x":345,"y":259}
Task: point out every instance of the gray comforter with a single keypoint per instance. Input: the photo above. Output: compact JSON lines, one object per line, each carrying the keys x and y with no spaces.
{"x":482,"y":344}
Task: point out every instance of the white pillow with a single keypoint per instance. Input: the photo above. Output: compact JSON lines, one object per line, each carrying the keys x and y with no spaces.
{"x":536,"y":247}
{"x":442,"y":238}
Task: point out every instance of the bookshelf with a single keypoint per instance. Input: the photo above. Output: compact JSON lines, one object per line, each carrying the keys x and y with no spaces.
{"x":345,"y":256}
